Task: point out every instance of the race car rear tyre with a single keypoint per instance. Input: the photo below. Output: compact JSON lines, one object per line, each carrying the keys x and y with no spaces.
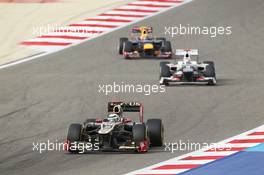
{"x":164,"y":69}
{"x":210,"y":71}
{"x":155,"y":131}
{"x":74,"y":133}
{"x":121,"y":45}
{"x":139,"y":133}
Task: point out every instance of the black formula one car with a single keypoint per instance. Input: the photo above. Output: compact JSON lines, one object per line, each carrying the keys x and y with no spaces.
{"x":143,"y":44}
{"x":115,"y":132}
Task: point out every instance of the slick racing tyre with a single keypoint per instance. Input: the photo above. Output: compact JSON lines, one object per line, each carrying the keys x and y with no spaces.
{"x":164,"y":69}
{"x":128,"y":46}
{"x":139,"y":133}
{"x":167,"y":46}
{"x":140,"y":138}
{"x":164,"y":72}
{"x":121,"y":45}
{"x":210,"y":71}
{"x":155,"y":131}
{"x":74,"y":133}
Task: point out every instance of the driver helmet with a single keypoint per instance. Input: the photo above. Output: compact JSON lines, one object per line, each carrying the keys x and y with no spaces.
{"x":113,"y":117}
{"x":187,"y":58}
{"x":144,"y":33}
{"x":118,"y":110}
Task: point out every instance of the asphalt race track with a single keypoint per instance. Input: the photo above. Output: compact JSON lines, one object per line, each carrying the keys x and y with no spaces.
{"x":39,"y":99}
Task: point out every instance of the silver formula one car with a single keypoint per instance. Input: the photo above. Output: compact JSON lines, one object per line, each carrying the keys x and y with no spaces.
{"x":188,"y":70}
{"x":115,"y":132}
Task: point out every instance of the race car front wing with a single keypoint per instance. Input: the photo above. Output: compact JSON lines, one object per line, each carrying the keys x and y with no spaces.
{"x":176,"y":80}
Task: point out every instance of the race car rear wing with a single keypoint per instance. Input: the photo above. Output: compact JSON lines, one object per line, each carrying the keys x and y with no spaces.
{"x":138,"y":29}
{"x":127,"y":107}
{"x":182,"y":52}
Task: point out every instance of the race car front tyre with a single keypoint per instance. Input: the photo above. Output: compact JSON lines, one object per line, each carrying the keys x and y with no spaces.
{"x":74,"y":133}
{"x":139,"y":133}
{"x":167,"y":46}
{"x":155,"y":131}
{"x":164,"y":71}
{"x":121,"y":45}
{"x":128,"y":46}
{"x":210,"y":71}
